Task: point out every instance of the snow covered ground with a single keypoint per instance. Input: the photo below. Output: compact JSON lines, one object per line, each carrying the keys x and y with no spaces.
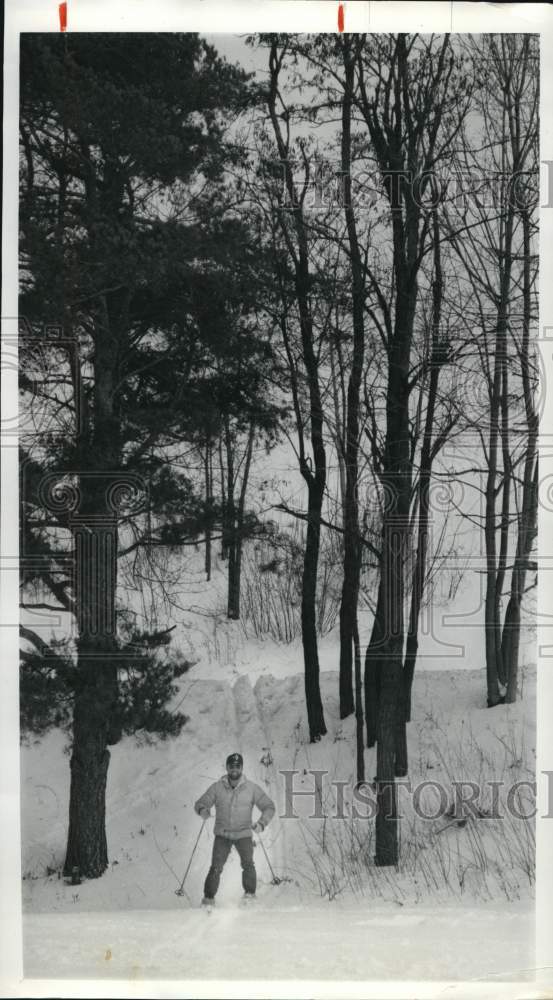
{"x":286,"y":941}
{"x":460,"y":906}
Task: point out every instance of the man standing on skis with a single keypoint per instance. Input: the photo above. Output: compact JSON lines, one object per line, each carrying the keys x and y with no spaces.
{"x":234,"y":797}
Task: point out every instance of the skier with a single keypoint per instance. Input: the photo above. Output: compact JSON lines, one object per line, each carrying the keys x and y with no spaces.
{"x":234,"y":797}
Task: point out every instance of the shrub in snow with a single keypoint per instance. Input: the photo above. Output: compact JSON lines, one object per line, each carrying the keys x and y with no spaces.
{"x":272,"y":585}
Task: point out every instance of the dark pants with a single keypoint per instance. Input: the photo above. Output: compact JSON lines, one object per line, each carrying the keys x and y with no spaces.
{"x":221,"y":851}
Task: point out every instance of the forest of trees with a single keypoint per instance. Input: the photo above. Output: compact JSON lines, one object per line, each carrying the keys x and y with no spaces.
{"x":337,"y":255}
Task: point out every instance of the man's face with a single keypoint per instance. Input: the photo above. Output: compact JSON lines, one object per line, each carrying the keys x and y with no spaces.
{"x":234,"y":771}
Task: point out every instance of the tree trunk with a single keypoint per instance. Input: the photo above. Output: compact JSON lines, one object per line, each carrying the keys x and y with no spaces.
{"x":315,"y":480}
{"x":511,"y":644}
{"x":527,"y":525}
{"x":493,"y":596}
{"x":94,"y":721}
{"x":237,"y":536}
{"x":94,"y":529}
{"x":359,"y":741}
{"x":505,"y":515}
{"x":208,"y":477}
{"x":389,"y":629}
{"x":348,"y":606}
{"x":230,"y":530}
{"x":438,"y":353}
{"x":86,"y":842}
{"x":233,"y":582}
{"x":224,"y":504}
{"x":315,"y":714}
{"x":352,"y":562}
{"x":373,"y":669}
{"x":396,"y":525}
{"x":491,"y":602}
{"x":512,"y":624}
{"x":338,"y":390}
{"x":387,"y":845}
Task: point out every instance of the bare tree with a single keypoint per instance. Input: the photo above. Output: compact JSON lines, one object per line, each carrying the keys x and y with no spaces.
{"x":406,"y":100}
{"x":493,"y":239}
{"x":294,"y":232}
{"x":352,"y":548}
{"x":433,"y":440}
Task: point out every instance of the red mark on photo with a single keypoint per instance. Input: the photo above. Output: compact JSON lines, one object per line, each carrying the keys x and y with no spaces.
{"x":63,"y":16}
{"x":340,"y":17}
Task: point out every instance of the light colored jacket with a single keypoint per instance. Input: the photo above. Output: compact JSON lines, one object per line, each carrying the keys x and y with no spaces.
{"x":234,"y":806}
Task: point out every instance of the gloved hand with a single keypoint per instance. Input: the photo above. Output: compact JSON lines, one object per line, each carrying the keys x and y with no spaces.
{"x":204,"y":813}
{"x":258,"y":827}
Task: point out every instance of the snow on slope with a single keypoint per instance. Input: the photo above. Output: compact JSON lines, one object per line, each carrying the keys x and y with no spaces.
{"x":467,"y":877}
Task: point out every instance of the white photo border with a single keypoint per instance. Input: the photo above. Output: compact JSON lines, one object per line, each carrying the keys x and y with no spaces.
{"x":236,"y":17}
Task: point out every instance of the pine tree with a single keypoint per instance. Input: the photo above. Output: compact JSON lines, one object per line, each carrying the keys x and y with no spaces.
{"x":116,"y":131}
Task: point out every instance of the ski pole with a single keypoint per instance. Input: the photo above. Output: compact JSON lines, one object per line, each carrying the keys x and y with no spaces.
{"x":276,"y":879}
{"x":180,"y":890}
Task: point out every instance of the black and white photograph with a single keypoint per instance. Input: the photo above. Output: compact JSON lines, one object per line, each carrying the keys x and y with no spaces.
{"x":275,"y":477}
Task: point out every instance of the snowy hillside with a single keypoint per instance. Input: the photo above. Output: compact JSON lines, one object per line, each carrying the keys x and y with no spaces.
{"x":476,"y":872}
